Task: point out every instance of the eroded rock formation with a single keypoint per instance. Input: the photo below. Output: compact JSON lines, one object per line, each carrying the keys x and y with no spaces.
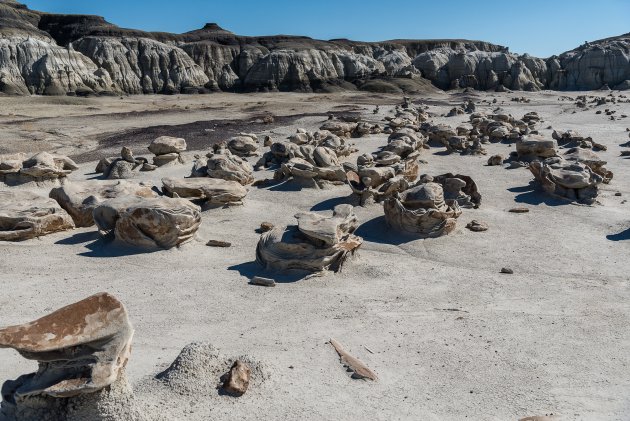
{"x":42,"y":167}
{"x":25,"y":215}
{"x":81,"y":349}
{"x":160,"y":222}
{"x":317,"y":243}
{"x":212,"y":191}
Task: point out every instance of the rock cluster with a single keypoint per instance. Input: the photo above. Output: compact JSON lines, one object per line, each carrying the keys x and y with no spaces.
{"x":243,"y":145}
{"x":223,"y":164}
{"x":16,"y":169}
{"x":316,"y":244}
{"x":124,"y":166}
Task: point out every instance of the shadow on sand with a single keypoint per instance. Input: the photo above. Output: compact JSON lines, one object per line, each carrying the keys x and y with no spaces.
{"x":532,"y":196}
{"x":251,"y":269}
{"x":623,"y":235}
{"x":329,"y":204}
{"x":376,"y":231}
{"x":103,"y":247}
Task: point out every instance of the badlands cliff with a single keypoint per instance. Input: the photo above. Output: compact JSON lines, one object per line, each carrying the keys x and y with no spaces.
{"x":52,"y":54}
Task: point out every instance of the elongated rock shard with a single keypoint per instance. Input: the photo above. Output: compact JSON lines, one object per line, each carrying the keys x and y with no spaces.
{"x":359,"y":370}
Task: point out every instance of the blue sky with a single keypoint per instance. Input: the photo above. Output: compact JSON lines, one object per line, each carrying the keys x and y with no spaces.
{"x":538,"y":27}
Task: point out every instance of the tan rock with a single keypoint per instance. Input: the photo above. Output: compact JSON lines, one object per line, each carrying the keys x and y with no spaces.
{"x":237,"y":379}
{"x":167,"y":144}
{"x":80,"y":198}
{"x":25,"y":215}
{"x":214,"y":191}
{"x":148,"y":222}
{"x":81,"y":348}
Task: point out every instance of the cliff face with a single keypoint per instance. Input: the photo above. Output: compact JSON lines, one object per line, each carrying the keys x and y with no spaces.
{"x":52,"y":54}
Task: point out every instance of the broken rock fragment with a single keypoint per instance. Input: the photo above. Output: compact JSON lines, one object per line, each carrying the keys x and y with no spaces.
{"x":237,"y":379}
{"x":358,"y":369}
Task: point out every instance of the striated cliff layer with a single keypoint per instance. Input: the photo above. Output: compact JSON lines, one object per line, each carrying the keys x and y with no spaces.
{"x":53,"y":54}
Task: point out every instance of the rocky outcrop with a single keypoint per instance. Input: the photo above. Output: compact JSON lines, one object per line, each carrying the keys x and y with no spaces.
{"x":78,"y":54}
{"x":40,"y":168}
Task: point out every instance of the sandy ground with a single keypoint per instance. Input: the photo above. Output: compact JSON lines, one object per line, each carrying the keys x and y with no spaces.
{"x":448,"y":335}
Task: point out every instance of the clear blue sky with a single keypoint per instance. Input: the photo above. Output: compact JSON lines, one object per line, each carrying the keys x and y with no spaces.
{"x":538,"y":27}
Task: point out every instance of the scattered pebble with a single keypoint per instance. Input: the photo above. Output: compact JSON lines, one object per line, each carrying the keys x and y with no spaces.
{"x":266,"y":226}
{"x":266,"y":282}
{"x":507,"y":270}
{"x":519,"y":210}
{"x":477,"y":226}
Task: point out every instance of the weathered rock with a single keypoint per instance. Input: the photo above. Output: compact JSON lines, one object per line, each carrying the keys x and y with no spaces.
{"x":25,"y":215}
{"x":127,"y":154}
{"x":316,"y":244}
{"x":120,"y":170}
{"x":213,"y":191}
{"x":572,"y":180}
{"x":223,"y":164}
{"x":422,"y":211}
{"x":519,"y":209}
{"x":148,"y":222}
{"x":535,"y":147}
{"x":243,"y":146}
{"x":458,"y":187}
{"x":592,"y":160}
{"x":507,"y":271}
{"x":42,"y":167}
{"x":167,"y":158}
{"x":166,"y":145}
{"x":495,"y":160}
{"x":218,"y":243}
{"x":104,"y":164}
{"x":237,"y":379}
{"x":266,"y":226}
{"x":359,"y":370}
{"x":80,"y":198}
{"x":265,"y":282}
{"x":81,"y":348}
{"x":477,"y":226}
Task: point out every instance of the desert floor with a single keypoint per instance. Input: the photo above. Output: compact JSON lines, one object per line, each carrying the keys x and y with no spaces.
{"x":449,"y":336}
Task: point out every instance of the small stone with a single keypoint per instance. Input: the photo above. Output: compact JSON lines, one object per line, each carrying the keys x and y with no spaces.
{"x":519,"y":210}
{"x":262,"y":182}
{"x":267,"y":141}
{"x":218,"y":243}
{"x":148,"y":167}
{"x":495,"y":160}
{"x":477,"y":226}
{"x":266,"y":226}
{"x":127,"y":155}
{"x":507,"y":270}
{"x":618,"y":194}
{"x":266,"y":282}
{"x":625,"y":153}
{"x":237,"y":379}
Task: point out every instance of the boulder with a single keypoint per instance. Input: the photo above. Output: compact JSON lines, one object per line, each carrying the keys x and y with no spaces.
{"x":316,"y":244}
{"x":167,"y":145}
{"x":243,"y":146}
{"x":422,"y":211}
{"x":25,"y":215}
{"x":148,"y":222}
{"x":223,"y":164}
{"x":534,"y":147}
{"x":80,"y":348}
{"x":80,"y":198}
{"x":213,"y":191}
{"x":568,"y":179}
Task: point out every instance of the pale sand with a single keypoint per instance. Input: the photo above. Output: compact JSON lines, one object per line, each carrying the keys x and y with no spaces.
{"x":450,"y":337}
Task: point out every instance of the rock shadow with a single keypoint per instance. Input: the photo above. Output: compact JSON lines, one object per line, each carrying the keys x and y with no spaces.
{"x":376,"y":230}
{"x":532,"y":196}
{"x":623,"y":235}
{"x":329,"y":204}
{"x":251,"y":269}
{"x":106,"y":247}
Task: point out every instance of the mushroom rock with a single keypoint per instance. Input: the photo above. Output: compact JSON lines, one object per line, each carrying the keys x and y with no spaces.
{"x":422,"y":210}
{"x":25,"y":215}
{"x":82,"y":350}
{"x":213,"y":191}
{"x":148,"y":222}
{"x":80,"y":198}
{"x":316,"y":244}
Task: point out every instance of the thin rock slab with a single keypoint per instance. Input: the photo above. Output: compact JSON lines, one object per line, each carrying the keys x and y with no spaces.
{"x":160,"y":222}
{"x":214,"y":191}
{"x":25,"y":215}
{"x":422,"y":211}
{"x":80,"y":348}
{"x":80,"y":198}
{"x":353,"y":364}
{"x":316,"y":244}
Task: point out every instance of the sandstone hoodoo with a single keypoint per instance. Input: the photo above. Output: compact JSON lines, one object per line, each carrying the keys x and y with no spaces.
{"x":316,"y":244}
{"x":422,"y":211}
{"x":159,"y":222}
{"x":25,"y":215}
{"x":81,"y":349}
